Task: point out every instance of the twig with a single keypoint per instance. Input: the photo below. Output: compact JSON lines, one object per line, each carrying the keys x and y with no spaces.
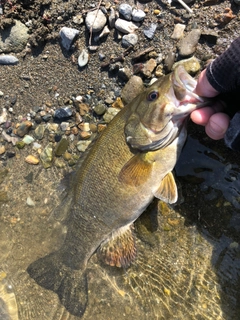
{"x":90,"y":38}
{"x":185,"y":6}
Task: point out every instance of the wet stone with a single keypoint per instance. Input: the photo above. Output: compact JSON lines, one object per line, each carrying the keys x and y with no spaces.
{"x":28,"y":139}
{"x":39,"y":131}
{"x":63,"y":113}
{"x":32,"y":159}
{"x":100,"y":109}
{"x":61,"y":147}
{"x":82,"y":145}
{"x":47,"y":156}
{"x":23,"y":128}
{"x":110,"y":114}
{"x":59,"y":163}
{"x":47,"y":117}
{"x":2,"y":149}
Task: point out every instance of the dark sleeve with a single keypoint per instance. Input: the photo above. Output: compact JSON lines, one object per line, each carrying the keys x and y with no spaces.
{"x":224,"y":72}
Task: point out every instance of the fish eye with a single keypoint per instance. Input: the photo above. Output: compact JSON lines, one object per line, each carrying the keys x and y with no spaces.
{"x":153,"y":96}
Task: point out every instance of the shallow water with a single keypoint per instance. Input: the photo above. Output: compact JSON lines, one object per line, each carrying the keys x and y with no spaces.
{"x":188,"y":255}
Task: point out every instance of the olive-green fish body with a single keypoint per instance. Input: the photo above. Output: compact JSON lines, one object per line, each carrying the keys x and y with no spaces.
{"x":114,"y":184}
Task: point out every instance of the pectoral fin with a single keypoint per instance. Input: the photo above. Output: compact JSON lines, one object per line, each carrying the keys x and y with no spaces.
{"x":168,"y":189}
{"x":136,"y":171}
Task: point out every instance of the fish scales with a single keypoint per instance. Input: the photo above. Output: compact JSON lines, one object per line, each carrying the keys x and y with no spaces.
{"x":127,"y":166}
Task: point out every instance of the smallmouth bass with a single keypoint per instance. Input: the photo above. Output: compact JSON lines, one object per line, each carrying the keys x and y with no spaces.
{"x":124,"y":169}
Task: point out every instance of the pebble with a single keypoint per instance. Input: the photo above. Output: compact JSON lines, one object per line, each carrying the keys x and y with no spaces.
{"x":14,"y":38}
{"x":8,"y":138}
{"x":61,"y":147}
{"x":52,"y":127}
{"x":188,"y":44}
{"x":8,"y":59}
{"x":78,"y":19}
{"x":149,"y":32}
{"x":95,"y":20}
{"x":82,"y":145}
{"x":39,"y":131}
{"x":28,"y":139}
{"x":63,"y":113}
{"x":125,"y":26}
{"x":169,"y":60}
{"x":59,"y":163}
{"x":30,"y":202}
{"x":2,"y":149}
{"x":103,"y":34}
{"x":192,"y":65}
{"x":46,"y":156}
{"x":130,"y":39}
{"x":131,"y":89}
{"x":23,"y":128}
{"x":100,"y":109}
{"x":64,"y":126}
{"x":20,"y":144}
{"x":83,"y":58}
{"x":67,"y":36}
{"x":178,"y":31}
{"x":148,"y":67}
{"x":138,"y":15}
{"x":126,"y":11}
{"x":112,"y":18}
{"x":110,"y":114}
{"x":32,"y":159}
{"x":3,"y":116}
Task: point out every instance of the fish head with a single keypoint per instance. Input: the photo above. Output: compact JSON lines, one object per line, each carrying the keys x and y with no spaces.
{"x":160,"y":112}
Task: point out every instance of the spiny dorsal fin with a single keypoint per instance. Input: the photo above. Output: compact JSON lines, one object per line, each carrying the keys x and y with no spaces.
{"x":136,"y":171}
{"x":167,"y":190}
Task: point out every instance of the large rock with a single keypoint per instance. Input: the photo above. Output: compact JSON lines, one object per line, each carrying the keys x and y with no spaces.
{"x":13,"y":38}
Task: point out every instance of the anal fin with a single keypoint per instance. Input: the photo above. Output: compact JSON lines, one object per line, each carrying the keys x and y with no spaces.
{"x":120,"y":249}
{"x":167,"y":190}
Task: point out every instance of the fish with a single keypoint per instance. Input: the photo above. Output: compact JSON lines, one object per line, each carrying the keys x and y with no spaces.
{"x":129,"y":164}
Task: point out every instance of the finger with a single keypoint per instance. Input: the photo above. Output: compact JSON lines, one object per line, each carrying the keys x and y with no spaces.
{"x":217,"y":126}
{"x":202,"y":116}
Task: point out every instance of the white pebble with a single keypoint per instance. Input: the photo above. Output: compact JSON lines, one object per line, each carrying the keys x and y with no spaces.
{"x":95,"y":20}
{"x":130,"y":39}
{"x":8,"y":59}
{"x":83,"y":58}
{"x":125,"y":26}
{"x":178,"y":31}
{"x":138,"y":15}
{"x":30,"y":202}
{"x":126,"y":11}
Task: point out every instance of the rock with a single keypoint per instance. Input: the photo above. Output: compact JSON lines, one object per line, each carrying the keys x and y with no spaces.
{"x":83,"y":58}
{"x":192,"y":65}
{"x":67,"y":36}
{"x":131,"y":89}
{"x":39,"y":131}
{"x":169,"y":60}
{"x":130,"y":39}
{"x":23,"y":128}
{"x":110,"y":114}
{"x":100,"y":109}
{"x":30,"y":202}
{"x":28,"y":139}
{"x":3,"y":116}
{"x":64,"y":126}
{"x":20,"y":144}
{"x":59,"y":163}
{"x":61,"y":147}
{"x":125,"y":26}
{"x":82,"y":145}
{"x":46,"y":156}
{"x":188,"y":44}
{"x":63,"y":113}
{"x":78,"y":19}
{"x":2,"y":149}
{"x":14,"y":38}
{"x":8,"y":59}
{"x":32,"y":160}
{"x":8,"y":138}
{"x":112,"y":18}
{"x":95,"y":20}
{"x":103,"y":34}
{"x":138,"y":15}
{"x":126,"y":11}
{"x":149,"y":32}
{"x":148,"y":67}
{"x":178,"y":31}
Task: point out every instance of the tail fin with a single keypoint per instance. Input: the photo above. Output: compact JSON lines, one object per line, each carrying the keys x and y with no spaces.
{"x":70,"y":285}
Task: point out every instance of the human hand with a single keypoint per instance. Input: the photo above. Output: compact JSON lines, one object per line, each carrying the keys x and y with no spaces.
{"x":216,"y":122}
